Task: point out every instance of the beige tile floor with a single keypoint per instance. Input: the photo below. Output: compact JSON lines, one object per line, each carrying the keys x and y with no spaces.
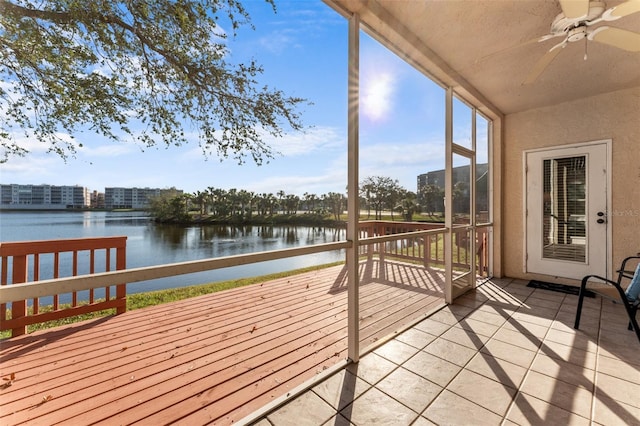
{"x":504,"y":354}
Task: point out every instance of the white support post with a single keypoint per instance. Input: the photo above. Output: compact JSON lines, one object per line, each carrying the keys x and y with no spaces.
{"x":472,"y":203}
{"x":353,"y":205}
{"x":448,"y":198}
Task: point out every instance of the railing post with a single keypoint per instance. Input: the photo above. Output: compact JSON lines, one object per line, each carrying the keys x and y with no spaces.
{"x":482,"y":237}
{"x":121,"y":289}
{"x":370,"y":248}
{"x":427,"y":249}
{"x":381,"y":268}
{"x":19,"y":308}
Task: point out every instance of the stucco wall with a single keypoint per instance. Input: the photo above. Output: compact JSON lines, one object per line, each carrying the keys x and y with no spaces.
{"x":614,"y":116}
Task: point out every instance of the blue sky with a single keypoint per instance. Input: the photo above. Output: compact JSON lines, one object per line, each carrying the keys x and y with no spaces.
{"x":303,"y":49}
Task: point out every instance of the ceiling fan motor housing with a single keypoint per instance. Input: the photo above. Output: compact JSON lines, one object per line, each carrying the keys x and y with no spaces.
{"x":576,"y":34}
{"x":563,"y":25}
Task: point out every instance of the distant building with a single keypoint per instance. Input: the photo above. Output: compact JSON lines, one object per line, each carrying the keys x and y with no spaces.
{"x":460,"y":174}
{"x":132,"y":198}
{"x":54,"y":197}
{"x":97,"y":200}
{"x":43,"y":197}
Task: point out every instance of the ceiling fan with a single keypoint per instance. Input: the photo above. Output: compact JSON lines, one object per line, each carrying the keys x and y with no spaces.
{"x":576,"y":22}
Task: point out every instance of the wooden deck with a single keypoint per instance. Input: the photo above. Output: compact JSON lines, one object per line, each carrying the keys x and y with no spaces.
{"x":211,"y":359}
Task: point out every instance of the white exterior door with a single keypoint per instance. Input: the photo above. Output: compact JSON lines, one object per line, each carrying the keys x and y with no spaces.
{"x":566,"y":211}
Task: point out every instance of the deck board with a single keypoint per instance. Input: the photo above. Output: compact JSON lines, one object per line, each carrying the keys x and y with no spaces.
{"x":210,"y":359}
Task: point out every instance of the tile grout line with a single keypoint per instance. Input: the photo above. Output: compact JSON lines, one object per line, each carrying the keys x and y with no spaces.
{"x":594,"y":390}
{"x":537,"y":353}
{"x":528,"y":369}
{"x":467,"y":363}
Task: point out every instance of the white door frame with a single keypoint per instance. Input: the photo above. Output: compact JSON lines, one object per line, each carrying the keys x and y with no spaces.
{"x":607,"y":144}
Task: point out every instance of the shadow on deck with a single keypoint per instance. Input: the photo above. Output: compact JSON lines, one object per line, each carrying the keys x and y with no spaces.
{"x":214,"y":358}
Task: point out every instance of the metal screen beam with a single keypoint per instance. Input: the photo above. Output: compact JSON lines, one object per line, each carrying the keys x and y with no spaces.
{"x":353,"y":204}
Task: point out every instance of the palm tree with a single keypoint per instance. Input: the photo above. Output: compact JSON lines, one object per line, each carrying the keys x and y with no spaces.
{"x":335,"y":202}
{"x":187,"y":200}
{"x":306,"y":197}
{"x":211,"y":192}
{"x":365,"y":193}
{"x":244,"y":199}
{"x":292,"y":202}
{"x":200,"y":198}
{"x":408,"y":205}
{"x":280,"y":197}
{"x":232,"y":201}
{"x":218,"y":201}
{"x":272,"y":203}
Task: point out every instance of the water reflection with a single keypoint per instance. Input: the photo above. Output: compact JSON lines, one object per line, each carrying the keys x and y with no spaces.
{"x":231,"y":239}
{"x":169,"y":235}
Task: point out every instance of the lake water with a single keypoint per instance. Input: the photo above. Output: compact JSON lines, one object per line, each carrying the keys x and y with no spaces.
{"x":151,"y":244}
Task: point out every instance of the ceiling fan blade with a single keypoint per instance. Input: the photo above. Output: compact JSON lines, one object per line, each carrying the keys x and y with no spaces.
{"x":574,"y":8}
{"x":626,"y":8}
{"x":617,"y":37}
{"x":541,"y":65}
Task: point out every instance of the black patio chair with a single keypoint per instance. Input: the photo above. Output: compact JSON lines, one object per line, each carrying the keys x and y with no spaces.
{"x":613,"y":291}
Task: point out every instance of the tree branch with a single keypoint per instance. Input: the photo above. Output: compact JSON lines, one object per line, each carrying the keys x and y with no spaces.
{"x":17,"y":11}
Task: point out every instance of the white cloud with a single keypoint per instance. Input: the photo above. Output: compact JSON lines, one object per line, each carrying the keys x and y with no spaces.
{"x":30,"y":144}
{"x":383,"y":155}
{"x":320,"y":138}
{"x":279,"y":41}
{"x":391,"y":160}
{"x":34,"y":146}
{"x":110,"y":149}
{"x":303,"y":143}
{"x":299,"y":184}
{"x":35,"y":169}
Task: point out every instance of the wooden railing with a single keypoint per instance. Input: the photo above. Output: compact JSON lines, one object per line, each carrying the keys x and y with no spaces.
{"x":27,"y":261}
{"x":427,"y":248}
{"x":413,"y":241}
{"x":47,"y":287}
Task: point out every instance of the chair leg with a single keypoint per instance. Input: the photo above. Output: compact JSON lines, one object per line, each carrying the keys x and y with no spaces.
{"x":636,"y":329}
{"x":633,"y":323}
{"x":580,"y":300}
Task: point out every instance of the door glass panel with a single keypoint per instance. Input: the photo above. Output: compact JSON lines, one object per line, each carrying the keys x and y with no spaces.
{"x":462,"y":255}
{"x":564,"y":207}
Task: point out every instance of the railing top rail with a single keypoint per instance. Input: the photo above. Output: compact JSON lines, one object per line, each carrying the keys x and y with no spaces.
{"x":399,"y":236}
{"x":467,"y":226}
{"x":401,"y":223}
{"x":14,"y":292}
{"x":22,"y":248}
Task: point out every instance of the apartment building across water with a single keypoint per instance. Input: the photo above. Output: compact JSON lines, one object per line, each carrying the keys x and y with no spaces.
{"x":54,"y":197}
{"x":44,"y":197}
{"x":132,"y":198}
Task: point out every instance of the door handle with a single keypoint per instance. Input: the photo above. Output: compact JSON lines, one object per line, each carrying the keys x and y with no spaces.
{"x":601,"y":217}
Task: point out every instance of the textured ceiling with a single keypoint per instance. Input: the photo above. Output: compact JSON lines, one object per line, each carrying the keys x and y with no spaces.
{"x":490,"y":47}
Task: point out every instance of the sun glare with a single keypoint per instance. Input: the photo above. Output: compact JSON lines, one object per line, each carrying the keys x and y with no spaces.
{"x":377,"y":91}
